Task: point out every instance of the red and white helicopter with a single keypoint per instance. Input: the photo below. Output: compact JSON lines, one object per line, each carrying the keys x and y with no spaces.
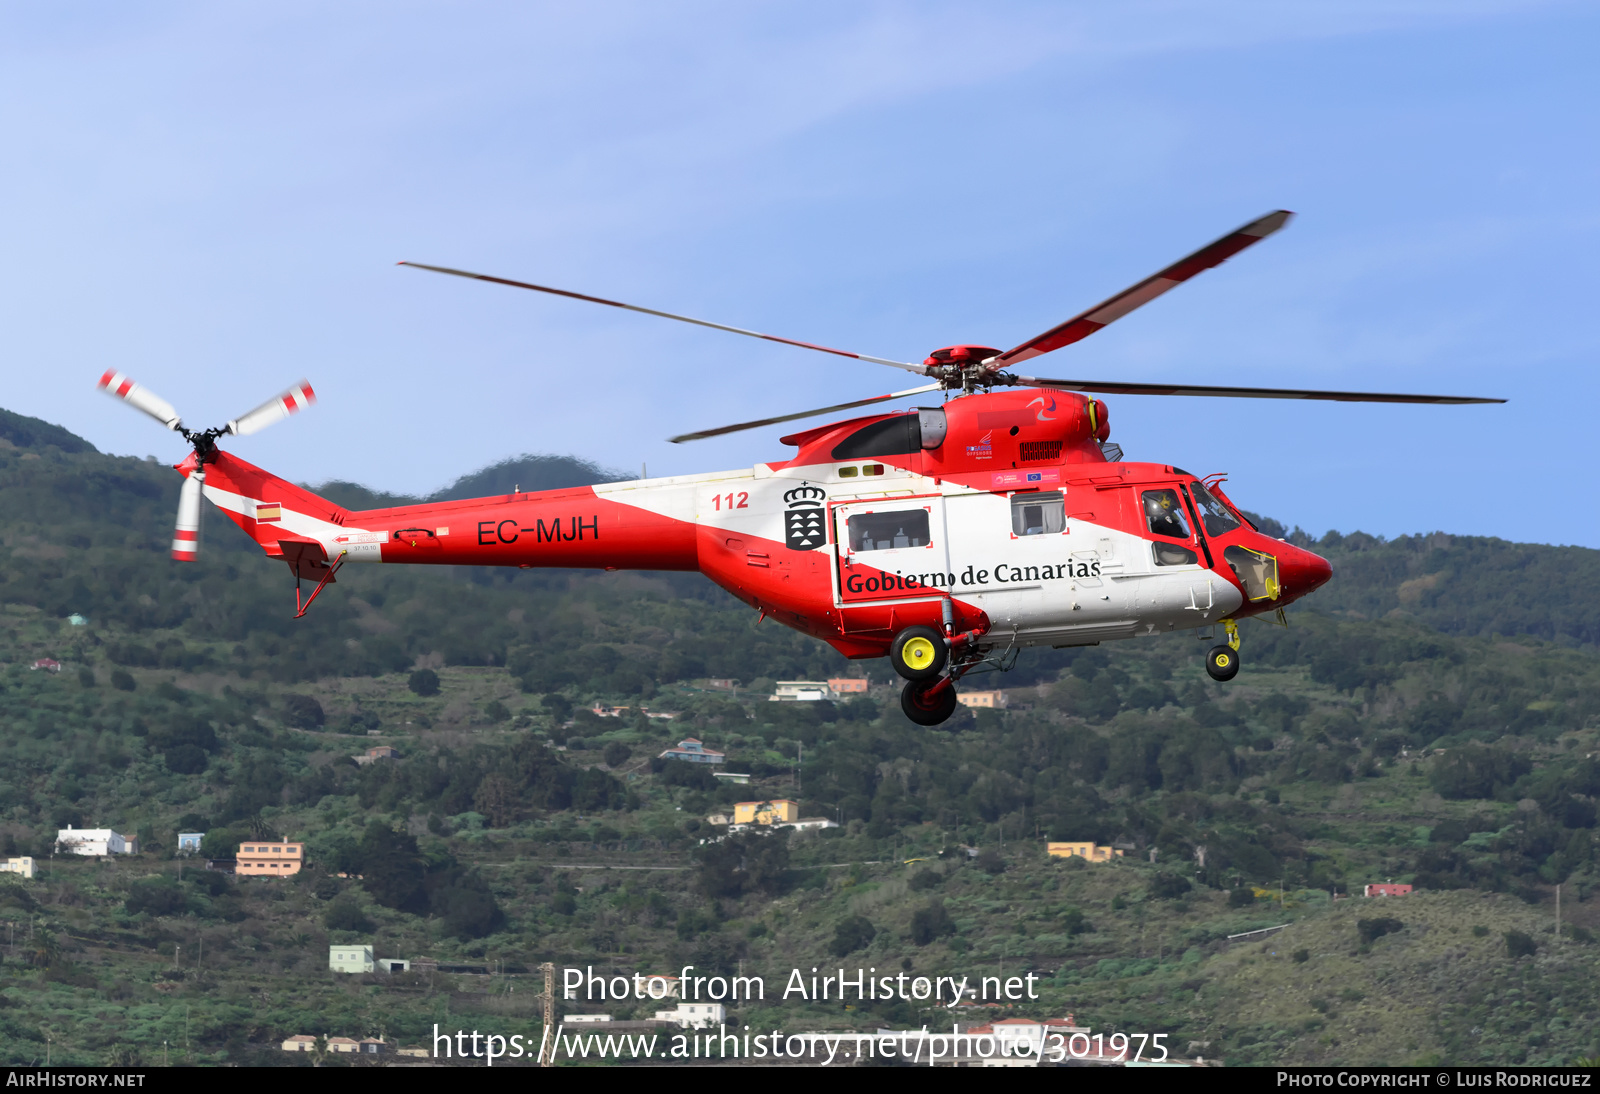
{"x":946,"y":538}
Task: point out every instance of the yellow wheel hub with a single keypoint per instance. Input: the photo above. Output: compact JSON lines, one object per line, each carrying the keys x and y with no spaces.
{"x":918,"y":653}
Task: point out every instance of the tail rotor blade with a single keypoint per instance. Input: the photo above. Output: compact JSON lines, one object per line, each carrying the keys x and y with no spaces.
{"x":186,"y":537}
{"x":275,"y":409}
{"x":140,"y":398}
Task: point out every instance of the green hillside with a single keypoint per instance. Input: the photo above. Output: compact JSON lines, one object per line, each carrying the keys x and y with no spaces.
{"x":1430,"y":716}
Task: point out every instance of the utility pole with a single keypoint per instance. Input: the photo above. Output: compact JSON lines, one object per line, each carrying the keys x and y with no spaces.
{"x":547,"y":1047}
{"x":1558,"y":913}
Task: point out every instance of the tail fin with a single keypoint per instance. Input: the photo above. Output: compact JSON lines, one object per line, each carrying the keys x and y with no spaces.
{"x":283,"y":518}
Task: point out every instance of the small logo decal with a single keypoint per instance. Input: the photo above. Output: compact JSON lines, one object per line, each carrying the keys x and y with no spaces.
{"x":802,"y":521}
{"x":1040,"y":402}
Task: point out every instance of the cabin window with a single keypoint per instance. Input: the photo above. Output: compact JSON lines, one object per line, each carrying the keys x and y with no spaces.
{"x":847,"y":472}
{"x":897,"y":436}
{"x":1213,"y":514}
{"x":1037,"y":514}
{"x":1170,"y":554}
{"x":1163,"y":511}
{"x":885,"y":531}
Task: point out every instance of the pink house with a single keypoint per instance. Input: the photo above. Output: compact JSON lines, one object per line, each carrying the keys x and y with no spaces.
{"x":1387,"y":889}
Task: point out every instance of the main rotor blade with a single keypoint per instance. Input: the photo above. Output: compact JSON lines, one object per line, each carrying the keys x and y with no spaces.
{"x":274,"y":410}
{"x":908,"y":366}
{"x":1104,"y":387}
{"x":139,"y":397}
{"x":704,"y":433}
{"x":1081,"y":326}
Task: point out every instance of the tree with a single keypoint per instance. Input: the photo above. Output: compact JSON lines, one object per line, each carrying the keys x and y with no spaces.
{"x":744,"y":863}
{"x":496,"y":798}
{"x":468,"y":907}
{"x":303,"y":712}
{"x":990,"y":862}
{"x":852,"y":934}
{"x":616,"y":754}
{"x":185,"y":760}
{"x":931,"y":922}
{"x":1476,"y":772}
{"x":392,"y":868}
{"x":1371,"y":930}
{"x":424,"y":682}
{"x":158,"y":897}
{"x":1520,"y":945}
{"x":122,"y":680}
{"x":345,"y":914}
{"x":1169,"y":886}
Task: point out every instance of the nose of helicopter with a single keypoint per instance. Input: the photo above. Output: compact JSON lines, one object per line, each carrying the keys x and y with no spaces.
{"x":1300,"y":572}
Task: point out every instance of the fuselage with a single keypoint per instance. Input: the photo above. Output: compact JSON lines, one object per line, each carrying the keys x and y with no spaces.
{"x":996,"y":515}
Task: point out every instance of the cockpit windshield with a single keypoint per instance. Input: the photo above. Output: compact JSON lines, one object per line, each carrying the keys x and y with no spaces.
{"x":1216,"y":517}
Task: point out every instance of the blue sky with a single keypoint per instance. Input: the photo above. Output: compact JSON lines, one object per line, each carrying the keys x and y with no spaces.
{"x":212,"y":198}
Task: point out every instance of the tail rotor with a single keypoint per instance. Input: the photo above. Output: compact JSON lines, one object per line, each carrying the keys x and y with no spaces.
{"x":186,"y":535}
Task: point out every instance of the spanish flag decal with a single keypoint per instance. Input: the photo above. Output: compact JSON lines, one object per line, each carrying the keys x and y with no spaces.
{"x":267,"y":514}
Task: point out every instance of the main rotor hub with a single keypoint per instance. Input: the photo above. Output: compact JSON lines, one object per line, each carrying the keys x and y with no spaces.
{"x":961,"y":366}
{"x":961,"y":356}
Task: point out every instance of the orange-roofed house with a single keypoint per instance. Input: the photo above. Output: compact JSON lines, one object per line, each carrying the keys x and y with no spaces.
{"x":782,"y":811}
{"x":270,"y":858}
{"x":1086,"y":849}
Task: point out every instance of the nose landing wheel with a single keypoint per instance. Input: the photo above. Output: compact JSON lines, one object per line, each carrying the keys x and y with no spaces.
{"x":1222,"y":662}
{"x":928,"y":702}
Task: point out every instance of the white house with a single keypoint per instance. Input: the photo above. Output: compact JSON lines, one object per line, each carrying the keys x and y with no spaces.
{"x":95,"y":841}
{"x":692,"y":750}
{"x":695,"y":1015}
{"x":801,"y":691}
{"x":351,"y":959}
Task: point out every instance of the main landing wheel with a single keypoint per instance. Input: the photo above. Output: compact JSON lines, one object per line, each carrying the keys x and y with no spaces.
{"x":926,"y":703}
{"x":918,"y":653}
{"x":1222,"y":662}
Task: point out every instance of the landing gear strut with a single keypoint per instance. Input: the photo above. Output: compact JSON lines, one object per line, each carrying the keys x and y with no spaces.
{"x":1222,"y":661}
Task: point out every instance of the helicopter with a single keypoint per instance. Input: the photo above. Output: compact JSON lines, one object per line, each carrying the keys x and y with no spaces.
{"x":946,"y":538}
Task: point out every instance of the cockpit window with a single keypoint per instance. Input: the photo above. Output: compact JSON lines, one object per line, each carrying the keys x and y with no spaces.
{"x":1213,"y":514}
{"x":1163,"y":511}
{"x":1037,"y":514}
{"x":885,"y":531}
